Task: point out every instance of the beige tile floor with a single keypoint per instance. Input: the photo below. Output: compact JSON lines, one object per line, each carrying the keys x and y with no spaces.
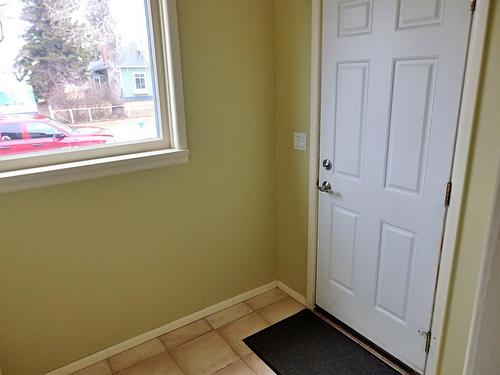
{"x":209,"y":346}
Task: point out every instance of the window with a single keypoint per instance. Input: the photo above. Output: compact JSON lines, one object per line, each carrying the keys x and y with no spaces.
{"x":91,"y":105}
{"x":140,"y":81}
{"x":10,"y":132}
{"x":40,"y":130}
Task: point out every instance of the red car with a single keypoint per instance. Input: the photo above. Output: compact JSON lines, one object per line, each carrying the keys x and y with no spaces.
{"x":21,"y":135}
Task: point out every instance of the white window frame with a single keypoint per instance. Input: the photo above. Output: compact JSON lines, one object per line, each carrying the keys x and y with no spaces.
{"x":140,"y":90}
{"x":62,"y":167}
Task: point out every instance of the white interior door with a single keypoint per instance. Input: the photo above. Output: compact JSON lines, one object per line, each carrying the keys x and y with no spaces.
{"x":392,"y":77}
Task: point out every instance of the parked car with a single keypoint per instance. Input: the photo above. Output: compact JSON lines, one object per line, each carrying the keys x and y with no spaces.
{"x":21,"y":135}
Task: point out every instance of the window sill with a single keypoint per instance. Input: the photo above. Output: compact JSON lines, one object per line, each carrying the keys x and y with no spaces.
{"x":31,"y":178}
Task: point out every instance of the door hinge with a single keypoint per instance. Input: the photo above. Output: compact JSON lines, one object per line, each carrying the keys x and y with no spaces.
{"x":447,"y":198}
{"x":473,"y":5}
{"x":428,"y":338}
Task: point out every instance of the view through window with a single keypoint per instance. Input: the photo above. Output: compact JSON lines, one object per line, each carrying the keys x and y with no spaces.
{"x":75,"y":74}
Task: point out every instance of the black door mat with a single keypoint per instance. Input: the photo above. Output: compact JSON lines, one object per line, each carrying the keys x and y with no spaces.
{"x":304,"y":344}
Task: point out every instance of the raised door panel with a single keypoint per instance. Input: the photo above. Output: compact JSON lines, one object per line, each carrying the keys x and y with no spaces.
{"x":355,"y":17}
{"x":420,"y":13}
{"x":395,"y":271}
{"x":343,"y":248}
{"x":350,"y":118}
{"x":410,"y":121}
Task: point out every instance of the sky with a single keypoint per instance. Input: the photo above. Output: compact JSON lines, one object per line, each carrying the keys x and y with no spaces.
{"x":10,"y":10}
{"x":130,"y":19}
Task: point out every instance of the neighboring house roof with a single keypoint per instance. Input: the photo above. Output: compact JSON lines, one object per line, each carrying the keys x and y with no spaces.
{"x":96,"y":66}
{"x":133,"y":56}
{"x":130,"y":56}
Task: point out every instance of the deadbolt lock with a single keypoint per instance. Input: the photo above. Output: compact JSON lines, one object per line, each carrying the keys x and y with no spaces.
{"x":327,"y":164}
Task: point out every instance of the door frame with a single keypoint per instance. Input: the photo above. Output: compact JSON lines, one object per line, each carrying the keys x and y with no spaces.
{"x":459,"y":167}
{"x":484,"y":288}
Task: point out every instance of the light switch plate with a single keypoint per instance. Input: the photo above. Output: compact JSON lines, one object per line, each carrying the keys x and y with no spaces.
{"x":300,"y":141}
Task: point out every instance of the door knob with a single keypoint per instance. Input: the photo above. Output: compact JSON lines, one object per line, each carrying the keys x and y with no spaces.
{"x":327,"y":164}
{"x":325,"y":187}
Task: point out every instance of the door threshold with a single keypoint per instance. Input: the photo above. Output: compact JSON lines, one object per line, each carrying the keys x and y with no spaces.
{"x":366,"y":344}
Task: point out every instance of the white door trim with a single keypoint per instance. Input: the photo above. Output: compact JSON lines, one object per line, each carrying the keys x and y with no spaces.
{"x":314,"y":125}
{"x":460,"y":162}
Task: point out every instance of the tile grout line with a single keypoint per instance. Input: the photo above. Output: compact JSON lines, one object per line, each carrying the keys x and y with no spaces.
{"x":227,"y":342}
{"x":256,"y":312}
{"x":230,"y":347}
{"x":177,"y":363}
{"x":168,"y":351}
{"x":218,"y":330}
{"x":191,"y":339}
{"x":109,"y":366}
{"x":224,"y":325}
{"x":212,"y":329}
{"x":285,"y":295}
{"x":140,"y":362}
{"x":266,"y":306}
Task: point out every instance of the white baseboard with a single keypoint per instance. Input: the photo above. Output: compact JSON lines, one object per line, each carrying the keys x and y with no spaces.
{"x":134,"y":341}
{"x":292,"y":293}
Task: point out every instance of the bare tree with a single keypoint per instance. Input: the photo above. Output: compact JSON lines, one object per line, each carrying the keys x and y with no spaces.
{"x":102,"y":28}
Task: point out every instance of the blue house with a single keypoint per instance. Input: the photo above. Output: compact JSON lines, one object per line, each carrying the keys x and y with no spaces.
{"x":135,"y":73}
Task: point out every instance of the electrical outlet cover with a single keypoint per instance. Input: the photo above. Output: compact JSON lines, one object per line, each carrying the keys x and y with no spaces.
{"x":300,"y":141}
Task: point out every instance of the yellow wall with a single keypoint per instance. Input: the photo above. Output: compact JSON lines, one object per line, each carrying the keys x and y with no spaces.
{"x":86,"y":265}
{"x":293,"y":61}
{"x":479,"y":202}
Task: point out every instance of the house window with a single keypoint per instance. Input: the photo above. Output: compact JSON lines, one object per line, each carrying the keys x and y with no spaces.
{"x":86,"y":113}
{"x":140,"y":81}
